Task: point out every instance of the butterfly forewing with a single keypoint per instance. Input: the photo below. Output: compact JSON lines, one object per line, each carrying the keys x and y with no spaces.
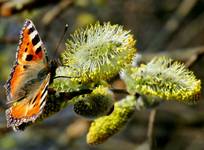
{"x":30,"y":59}
{"x":31,"y":47}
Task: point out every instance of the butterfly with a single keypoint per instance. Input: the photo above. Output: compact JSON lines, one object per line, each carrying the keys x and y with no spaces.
{"x":27,"y":87}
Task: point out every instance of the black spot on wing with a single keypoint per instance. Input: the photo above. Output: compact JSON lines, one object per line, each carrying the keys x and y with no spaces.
{"x":35,"y":40}
{"x":38,"y":50}
{"x":26,"y":49}
{"x":31,"y":30}
{"x":25,"y":66}
{"x":29,"y":57}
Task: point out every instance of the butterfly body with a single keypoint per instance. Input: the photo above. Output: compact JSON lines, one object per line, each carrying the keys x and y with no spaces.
{"x":32,"y":73}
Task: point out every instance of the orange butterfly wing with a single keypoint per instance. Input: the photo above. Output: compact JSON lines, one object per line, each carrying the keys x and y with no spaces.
{"x":29,"y":80}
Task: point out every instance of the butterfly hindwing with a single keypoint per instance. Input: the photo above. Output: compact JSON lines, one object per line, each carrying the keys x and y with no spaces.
{"x":29,"y":80}
{"x":29,"y":108}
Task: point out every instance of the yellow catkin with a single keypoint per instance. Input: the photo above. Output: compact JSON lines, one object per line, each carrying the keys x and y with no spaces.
{"x":164,"y":79}
{"x":98,"y":52}
{"x":104,"y":127}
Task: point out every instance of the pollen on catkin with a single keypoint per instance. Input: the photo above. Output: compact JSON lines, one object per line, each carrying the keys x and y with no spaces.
{"x":163,"y":78}
{"x":104,"y":127}
{"x":98,"y":52}
{"x":98,"y":103}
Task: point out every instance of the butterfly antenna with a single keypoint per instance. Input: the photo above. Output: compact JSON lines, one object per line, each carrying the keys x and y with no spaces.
{"x":62,"y":37}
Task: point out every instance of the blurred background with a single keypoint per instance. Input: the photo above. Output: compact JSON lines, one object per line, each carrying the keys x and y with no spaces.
{"x":173,"y":28}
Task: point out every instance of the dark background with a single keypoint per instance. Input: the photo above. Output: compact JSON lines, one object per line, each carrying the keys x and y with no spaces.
{"x":161,"y":27}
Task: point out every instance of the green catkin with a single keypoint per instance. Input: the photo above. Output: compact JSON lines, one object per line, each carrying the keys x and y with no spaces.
{"x":104,"y":127}
{"x":94,"y":105}
{"x":164,"y":79}
{"x":97,"y":52}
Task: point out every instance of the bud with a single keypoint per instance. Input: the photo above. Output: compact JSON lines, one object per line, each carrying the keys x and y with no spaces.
{"x":94,"y":105}
{"x":104,"y":127}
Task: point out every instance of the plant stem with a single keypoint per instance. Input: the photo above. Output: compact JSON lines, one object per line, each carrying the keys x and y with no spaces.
{"x":150,"y":132}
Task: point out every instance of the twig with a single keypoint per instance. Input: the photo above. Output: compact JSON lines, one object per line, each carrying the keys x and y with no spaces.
{"x":150,"y":131}
{"x":65,"y":96}
{"x":195,"y":58}
{"x":11,"y":7}
{"x":3,"y":1}
{"x":175,"y":54}
{"x":119,"y":91}
{"x":54,"y":12}
{"x":172,"y":24}
{"x":193,"y":29}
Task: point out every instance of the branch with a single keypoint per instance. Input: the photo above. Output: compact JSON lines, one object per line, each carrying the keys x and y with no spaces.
{"x":150,"y":132}
{"x":175,"y":54}
{"x":56,"y":11}
{"x":11,"y":7}
{"x":172,"y":24}
{"x":195,"y":58}
{"x":119,"y":91}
